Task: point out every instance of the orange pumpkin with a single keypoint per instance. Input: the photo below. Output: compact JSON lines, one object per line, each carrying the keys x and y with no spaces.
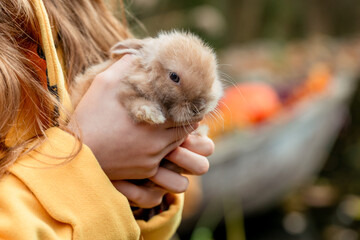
{"x":243,"y":105}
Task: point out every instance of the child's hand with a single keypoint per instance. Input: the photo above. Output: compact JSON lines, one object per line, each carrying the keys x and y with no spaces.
{"x":191,"y":156}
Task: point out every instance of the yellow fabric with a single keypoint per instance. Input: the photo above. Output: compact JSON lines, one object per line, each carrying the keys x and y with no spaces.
{"x":48,"y":196}
{"x":51,"y":196}
{"x":76,"y":193}
{"x":151,"y":229}
{"x":55,"y":74}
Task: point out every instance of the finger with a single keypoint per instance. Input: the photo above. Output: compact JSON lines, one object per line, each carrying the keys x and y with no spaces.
{"x":202,"y":145}
{"x":167,"y":136}
{"x":191,"y":162}
{"x":170,"y":181}
{"x":140,"y":196}
{"x":172,"y":138}
{"x":171,"y":147}
{"x":180,"y":132}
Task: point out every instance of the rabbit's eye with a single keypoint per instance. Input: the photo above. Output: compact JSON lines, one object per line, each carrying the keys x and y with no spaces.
{"x":174,"y":77}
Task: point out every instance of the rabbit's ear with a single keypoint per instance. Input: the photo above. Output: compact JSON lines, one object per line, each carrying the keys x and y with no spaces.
{"x":128,"y":46}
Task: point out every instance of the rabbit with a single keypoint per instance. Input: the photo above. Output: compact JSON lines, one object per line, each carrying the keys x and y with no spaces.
{"x":175,"y":78}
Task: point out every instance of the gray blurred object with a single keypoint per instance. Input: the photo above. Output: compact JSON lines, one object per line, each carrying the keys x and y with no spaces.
{"x":258,"y":166}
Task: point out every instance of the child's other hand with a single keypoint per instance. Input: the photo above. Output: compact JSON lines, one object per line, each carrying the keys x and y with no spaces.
{"x":191,"y":156}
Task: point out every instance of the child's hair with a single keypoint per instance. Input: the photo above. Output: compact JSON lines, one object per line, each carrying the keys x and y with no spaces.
{"x":85,"y":31}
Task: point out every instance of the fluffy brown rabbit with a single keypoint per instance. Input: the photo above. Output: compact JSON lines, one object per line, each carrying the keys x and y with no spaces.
{"x":175,"y":77}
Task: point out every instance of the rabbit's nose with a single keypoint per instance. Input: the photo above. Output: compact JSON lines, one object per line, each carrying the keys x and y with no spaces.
{"x":197,"y":109}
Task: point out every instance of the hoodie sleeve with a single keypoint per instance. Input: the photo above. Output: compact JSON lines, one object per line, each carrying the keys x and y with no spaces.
{"x":164,"y":225}
{"x":76,"y":193}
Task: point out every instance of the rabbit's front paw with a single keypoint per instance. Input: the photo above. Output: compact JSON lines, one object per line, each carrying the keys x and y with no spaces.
{"x":149,"y":114}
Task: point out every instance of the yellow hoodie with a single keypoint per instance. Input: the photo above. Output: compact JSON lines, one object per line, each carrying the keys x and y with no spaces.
{"x":44,"y":197}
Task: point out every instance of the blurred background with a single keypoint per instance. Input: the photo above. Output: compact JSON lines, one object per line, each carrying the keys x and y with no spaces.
{"x":287,"y":134}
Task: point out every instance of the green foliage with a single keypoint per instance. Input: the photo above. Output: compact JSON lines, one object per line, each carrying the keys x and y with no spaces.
{"x":235,"y":21}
